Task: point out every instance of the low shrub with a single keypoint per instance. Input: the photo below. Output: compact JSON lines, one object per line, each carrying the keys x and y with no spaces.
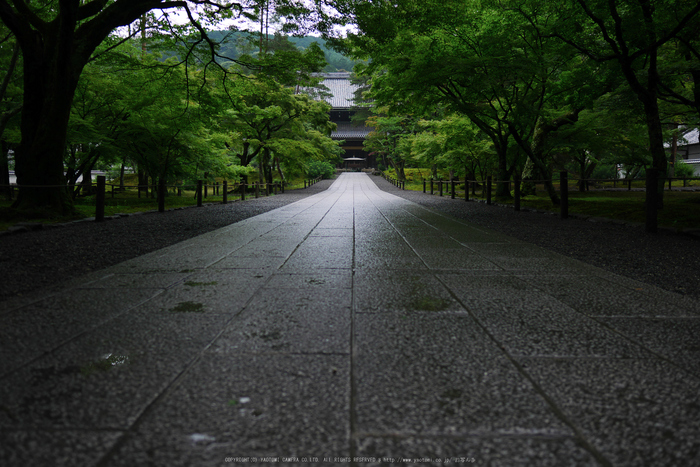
{"x":320,"y":169}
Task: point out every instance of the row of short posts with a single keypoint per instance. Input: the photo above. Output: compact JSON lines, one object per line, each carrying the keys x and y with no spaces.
{"x":309,"y":183}
{"x":201,"y":191}
{"x":652,"y":180}
{"x":651,"y":202}
{"x":401,"y":184}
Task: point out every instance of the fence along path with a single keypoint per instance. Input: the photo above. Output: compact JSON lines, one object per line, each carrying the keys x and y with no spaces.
{"x":349,"y":326}
{"x":487,"y":185}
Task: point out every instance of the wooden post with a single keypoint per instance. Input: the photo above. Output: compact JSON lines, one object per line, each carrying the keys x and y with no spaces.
{"x":257,"y":190}
{"x":440,"y":187}
{"x":466,"y":188}
{"x":452,"y":183}
{"x":488,"y":189}
{"x":564,"y":194}
{"x":516,"y":194}
{"x":161,"y":194}
{"x":423,"y":185}
{"x":100,"y":199}
{"x":652,"y":187}
{"x":244,"y":186}
{"x":206,"y":190}
{"x":304,"y":183}
{"x":629,"y":184}
{"x":225,"y":200}
{"x":431,"y":187}
{"x":199,"y":193}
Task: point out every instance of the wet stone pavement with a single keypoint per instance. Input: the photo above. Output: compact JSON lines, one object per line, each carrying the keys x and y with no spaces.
{"x":351,"y":327}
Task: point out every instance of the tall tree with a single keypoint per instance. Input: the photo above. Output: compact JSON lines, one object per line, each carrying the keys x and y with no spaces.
{"x":631,"y":34}
{"x":277,"y":127}
{"x":10,"y":102}
{"x":57,"y":40}
{"x":487,"y":60}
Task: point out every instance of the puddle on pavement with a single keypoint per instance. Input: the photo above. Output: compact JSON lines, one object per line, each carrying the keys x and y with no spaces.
{"x":430,"y":304}
{"x":199,"y":284}
{"x":106,"y":363}
{"x":268,"y":336}
{"x":201,"y":438}
{"x":315,"y":281}
{"x":188,"y":307}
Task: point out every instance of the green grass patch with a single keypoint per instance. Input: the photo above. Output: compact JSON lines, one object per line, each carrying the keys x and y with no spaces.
{"x":681,"y":209}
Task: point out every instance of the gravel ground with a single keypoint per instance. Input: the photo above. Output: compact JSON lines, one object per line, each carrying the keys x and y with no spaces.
{"x":39,"y":258}
{"x":36,"y":259}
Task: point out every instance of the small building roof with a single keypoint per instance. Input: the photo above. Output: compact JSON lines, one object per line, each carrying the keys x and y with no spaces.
{"x":341,"y":89}
{"x":692,"y":137}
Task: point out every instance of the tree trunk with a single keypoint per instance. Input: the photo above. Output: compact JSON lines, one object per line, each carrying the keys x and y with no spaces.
{"x":142,"y":176}
{"x":656,"y":146}
{"x":279,"y":169}
{"x":5,"y":172}
{"x":54,"y":53}
{"x":674,"y":152}
{"x":121,"y":176}
{"x":51,"y":73}
{"x":502,"y":191}
{"x":527,"y":185}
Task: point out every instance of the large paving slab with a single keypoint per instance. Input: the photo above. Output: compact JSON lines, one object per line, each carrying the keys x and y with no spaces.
{"x":351,"y":327}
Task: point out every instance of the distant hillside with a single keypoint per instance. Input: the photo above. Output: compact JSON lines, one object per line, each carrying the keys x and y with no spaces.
{"x":237,"y":43}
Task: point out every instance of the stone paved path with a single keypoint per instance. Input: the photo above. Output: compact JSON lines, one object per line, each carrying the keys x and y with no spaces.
{"x":352,"y":327}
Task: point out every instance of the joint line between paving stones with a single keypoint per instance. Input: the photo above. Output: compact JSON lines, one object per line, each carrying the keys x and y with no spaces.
{"x":465,"y":436}
{"x":599,"y":320}
{"x":308,"y":234}
{"x":579,"y":437}
{"x":398,"y":231}
{"x":80,"y":334}
{"x":441,"y":214}
{"x":432,"y":227}
{"x":131,"y":430}
{"x":176,"y":380}
{"x":271,"y":229}
{"x":658,"y":356}
{"x":92,"y":328}
{"x":353,"y":384}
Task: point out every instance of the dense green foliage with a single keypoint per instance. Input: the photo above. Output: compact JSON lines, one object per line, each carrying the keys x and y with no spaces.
{"x":527,"y":87}
{"x":321,"y":169}
{"x":125,"y":82}
{"x":139,"y":104}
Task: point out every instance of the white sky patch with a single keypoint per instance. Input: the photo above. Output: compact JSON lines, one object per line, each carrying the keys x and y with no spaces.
{"x":178,"y":16}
